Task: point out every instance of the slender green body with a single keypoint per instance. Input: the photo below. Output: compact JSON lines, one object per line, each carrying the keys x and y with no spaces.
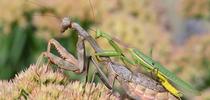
{"x":148,"y":63}
{"x":151,"y":64}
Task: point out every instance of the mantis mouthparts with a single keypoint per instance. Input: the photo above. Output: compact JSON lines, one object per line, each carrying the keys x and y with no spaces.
{"x":66,"y":23}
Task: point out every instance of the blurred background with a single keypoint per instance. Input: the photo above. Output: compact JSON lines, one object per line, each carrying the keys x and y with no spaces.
{"x":177,"y":31}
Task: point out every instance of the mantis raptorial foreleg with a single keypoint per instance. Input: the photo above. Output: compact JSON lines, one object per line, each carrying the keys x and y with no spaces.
{"x":69,"y":62}
{"x":64,"y":55}
{"x":63,"y":64}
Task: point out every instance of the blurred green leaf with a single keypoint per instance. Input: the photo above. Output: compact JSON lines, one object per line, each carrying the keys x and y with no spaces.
{"x":17,"y":45}
{"x":4,"y":49}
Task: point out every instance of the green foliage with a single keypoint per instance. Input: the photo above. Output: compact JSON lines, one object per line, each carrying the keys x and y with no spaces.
{"x":19,"y":47}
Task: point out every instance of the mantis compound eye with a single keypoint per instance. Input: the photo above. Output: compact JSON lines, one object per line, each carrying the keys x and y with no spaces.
{"x":66,"y":23}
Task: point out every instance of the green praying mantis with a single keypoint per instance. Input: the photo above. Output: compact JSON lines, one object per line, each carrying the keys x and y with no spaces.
{"x":148,"y":63}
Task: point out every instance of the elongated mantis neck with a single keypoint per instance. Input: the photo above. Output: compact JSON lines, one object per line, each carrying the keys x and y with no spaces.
{"x":86,"y":36}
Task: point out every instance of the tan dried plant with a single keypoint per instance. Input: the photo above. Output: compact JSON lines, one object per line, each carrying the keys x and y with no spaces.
{"x":43,"y":83}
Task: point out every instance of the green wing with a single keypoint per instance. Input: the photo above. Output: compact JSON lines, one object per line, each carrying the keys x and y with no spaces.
{"x":168,"y":74}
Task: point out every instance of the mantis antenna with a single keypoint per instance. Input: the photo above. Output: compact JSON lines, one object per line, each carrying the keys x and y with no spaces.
{"x":91,"y":5}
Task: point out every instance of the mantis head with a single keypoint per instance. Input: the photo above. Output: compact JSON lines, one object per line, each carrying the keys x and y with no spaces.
{"x":65,"y":24}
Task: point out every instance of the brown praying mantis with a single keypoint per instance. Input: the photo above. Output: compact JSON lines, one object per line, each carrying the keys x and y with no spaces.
{"x":138,"y":86}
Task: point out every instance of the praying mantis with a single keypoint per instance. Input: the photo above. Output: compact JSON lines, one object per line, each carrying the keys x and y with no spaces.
{"x":68,"y":62}
{"x":138,"y":85}
{"x":148,"y":63}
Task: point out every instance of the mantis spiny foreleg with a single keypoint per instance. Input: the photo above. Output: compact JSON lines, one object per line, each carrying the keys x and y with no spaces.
{"x":62,"y":52}
{"x":69,"y":62}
